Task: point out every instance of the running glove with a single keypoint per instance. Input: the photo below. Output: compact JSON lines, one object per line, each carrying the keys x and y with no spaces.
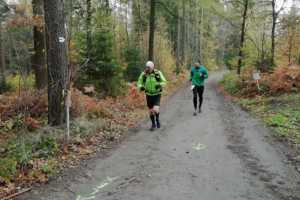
{"x":157,"y":87}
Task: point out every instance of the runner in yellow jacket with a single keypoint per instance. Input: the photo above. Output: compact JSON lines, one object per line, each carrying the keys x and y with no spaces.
{"x":152,"y":81}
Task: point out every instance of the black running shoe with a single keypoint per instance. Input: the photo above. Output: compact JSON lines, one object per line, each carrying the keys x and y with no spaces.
{"x":152,"y":127}
{"x":157,"y":124}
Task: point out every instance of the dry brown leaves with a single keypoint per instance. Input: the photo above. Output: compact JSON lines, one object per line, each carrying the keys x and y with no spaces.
{"x":31,"y":103}
{"x":120,"y":114}
{"x":284,"y":79}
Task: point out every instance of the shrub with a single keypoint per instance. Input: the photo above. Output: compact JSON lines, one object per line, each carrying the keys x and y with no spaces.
{"x":135,"y":66}
{"x":281,"y":80}
{"x":19,"y":82}
{"x":101,"y":69}
{"x":4,"y":87}
{"x":99,"y":112}
{"x":50,"y":167}
{"x":134,"y":99}
{"x":47,"y":146}
{"x":277,"y":120}
{"x":21,"y":151}
{"x":231,"y":83}
{"x":247,"y":103}
{"x":8,"y":168}
{"x":284,"y":79}
{"x":33,"y":104}
{"x":79,"y":103}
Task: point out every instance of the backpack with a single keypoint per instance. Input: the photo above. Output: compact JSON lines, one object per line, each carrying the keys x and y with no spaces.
{"x":157,"y":77}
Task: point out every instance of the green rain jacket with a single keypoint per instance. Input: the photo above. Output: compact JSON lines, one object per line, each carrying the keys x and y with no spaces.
{"x":196,"y":76}
{"x":152,"y":83}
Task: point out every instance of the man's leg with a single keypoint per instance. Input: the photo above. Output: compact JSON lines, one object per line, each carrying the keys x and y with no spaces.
{"x":152,"y":117}
{"x":200,"y":92}
{"x":151,"y":112}
{"x":156,"y":110}
{"x":195,"y":99}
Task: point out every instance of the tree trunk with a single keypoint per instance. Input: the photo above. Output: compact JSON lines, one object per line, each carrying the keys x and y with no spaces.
{"x":57,"y":59}
{"x":290,"y":49}
{"x":201,"y":25}
{"x":107,"y":4}
{"x":263,"y":45}
{"x":274,"y":19}
{"x":178,"y":41}
{"x":127,"y":24}
{"x":183,"y":33}
{"x":136,"y":13}
{"x":2,"y":63}
{"x":39,"y":58}
{"x":243,"y":31}
{"x":151,"y":30}
{"x":88,"y":28}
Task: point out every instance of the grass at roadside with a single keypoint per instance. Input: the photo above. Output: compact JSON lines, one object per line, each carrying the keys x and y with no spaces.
{"x":281,"y":113}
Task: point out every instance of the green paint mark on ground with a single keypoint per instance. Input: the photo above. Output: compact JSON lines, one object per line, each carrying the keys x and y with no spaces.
{"x":97,"y":189}
{"x":199,"y":147}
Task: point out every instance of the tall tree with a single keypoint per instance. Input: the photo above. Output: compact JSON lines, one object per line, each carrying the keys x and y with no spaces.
{"x":183,"y":33}
{"x":88,"y":28}
{"x":2,"y":63}
{"x":243,"y":32}
{"x":274,"y":22}
{"x":39,"y":58}
{"x":151,"y":30}
{"x":107,"y":6}
{"x":178,"y":47}
{"x":290,"y":34}
{"x":275,"y":15}
{"x":57,"y":59}
{"x":3,"y":11}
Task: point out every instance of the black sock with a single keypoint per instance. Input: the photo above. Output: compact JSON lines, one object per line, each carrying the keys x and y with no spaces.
{"x":157,"y":117}
{"x":152,"y":117}
{"x":200,"y":102}
{"x":195,"y":103}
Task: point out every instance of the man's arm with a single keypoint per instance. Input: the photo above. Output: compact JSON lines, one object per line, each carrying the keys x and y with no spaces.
{"x":140,"y":83}
{"x":191,"y":75}
{"x":163,"y":80}
{"x":205,"y":72}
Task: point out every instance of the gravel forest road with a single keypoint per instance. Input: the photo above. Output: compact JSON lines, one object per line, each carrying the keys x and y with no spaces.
{"x":221,"y":154}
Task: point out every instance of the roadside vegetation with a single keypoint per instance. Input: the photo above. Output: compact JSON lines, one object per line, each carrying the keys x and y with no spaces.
{"x":276,"y":102}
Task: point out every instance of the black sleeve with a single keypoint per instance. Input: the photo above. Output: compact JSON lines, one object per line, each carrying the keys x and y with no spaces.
{"x":192,"y":74}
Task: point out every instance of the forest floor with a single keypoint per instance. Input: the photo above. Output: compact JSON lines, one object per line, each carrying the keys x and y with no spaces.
{"x":223,"y":153}
{"x":34,"y":153}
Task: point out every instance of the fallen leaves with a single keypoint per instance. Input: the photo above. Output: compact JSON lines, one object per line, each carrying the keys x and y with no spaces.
{"x":118,"y":115}
{"x":284,"y":79}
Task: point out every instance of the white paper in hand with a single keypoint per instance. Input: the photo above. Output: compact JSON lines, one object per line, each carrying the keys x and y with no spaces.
{"x":192,"y":87}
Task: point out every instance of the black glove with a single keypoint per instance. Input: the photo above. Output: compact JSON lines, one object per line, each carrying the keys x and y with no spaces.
{"x":142,"y":89}
{"x":158,"y":87}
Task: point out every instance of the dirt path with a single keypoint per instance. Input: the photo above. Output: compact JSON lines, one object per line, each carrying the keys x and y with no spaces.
{"x":222,"y":154}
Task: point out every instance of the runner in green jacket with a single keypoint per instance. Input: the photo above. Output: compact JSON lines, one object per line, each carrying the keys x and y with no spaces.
{"x":152,"y":81}
{"x":198,"y":75}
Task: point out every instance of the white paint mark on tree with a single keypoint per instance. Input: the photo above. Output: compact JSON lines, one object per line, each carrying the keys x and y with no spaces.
{"x":61,"y":39}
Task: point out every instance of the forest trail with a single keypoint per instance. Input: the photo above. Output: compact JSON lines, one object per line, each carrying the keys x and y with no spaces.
{"x":221,"y":154}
